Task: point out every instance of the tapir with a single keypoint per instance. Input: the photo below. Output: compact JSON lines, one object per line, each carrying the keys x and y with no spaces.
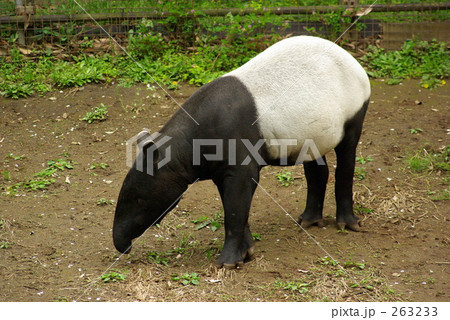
{"x":301,"y":89}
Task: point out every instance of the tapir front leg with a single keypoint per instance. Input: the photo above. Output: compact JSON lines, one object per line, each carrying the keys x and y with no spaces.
{"x":236,"y":189}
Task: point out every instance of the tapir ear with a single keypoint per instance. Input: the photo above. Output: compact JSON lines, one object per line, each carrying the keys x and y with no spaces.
{"x":142,"y":137}
{"x":148,"y":154}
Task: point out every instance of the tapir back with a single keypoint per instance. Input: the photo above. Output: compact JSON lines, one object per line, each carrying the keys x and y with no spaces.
{"x":304,"y":88}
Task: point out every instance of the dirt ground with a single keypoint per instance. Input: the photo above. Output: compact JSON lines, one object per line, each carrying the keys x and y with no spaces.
{"x":56,"y":243}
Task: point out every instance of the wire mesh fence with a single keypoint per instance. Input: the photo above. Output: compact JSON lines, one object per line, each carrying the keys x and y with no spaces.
{"x":91,"y":26}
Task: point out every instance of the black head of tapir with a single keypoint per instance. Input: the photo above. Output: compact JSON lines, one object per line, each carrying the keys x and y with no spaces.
{"x":302,"y":91}
{"x":147,"y":194}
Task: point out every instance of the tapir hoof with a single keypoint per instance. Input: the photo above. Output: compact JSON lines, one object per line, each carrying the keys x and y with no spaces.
{"x":355,"y":226}
{"x":237,"y":264}
{"x":307,"y":223}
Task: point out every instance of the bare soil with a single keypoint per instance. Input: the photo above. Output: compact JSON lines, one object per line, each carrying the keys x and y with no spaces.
{"x":56,"y":243}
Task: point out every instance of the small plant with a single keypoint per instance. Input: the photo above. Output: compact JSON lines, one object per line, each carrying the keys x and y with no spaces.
{"x":53,"y":166}
{"x":187,"y":278}
{"x":285,"y":178}
{"x":205,"y":221}
{"x":256,"y":237}
{"x":360,"y":173}
{"x":327,"y":261}
{"x":97,"y":114}
{"x":4,"y":244}
{"x":298,"y":287}
{"x":364,"y":160}
{"x":442,"y":195}
{"x":6,"y":175}
{"x":99,"y":165}
{"x":16,"y":90}
{"x":424,"y":160}
{"x":359,"y":209}
{"x":61,"y":299}
{"x":415,"y":130}
{"x":352,"y":264}
{"x":39,"y":184}
{"x":158,"y":258}
{"x":112,"y":276}
{"x":104,"y":202}
{"x":13,"y":157}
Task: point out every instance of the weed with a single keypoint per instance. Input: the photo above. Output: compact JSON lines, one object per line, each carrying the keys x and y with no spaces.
{"x":285,"y":178}
{"x":187,"y":278}
{"x":77,"y":74}
{"x":44,"y":178}
{"x":205,"y":221}
{"x":53,"y":166}
{"x":158,"y":258}
{"x":6,"y":175}
{"x":364,"y":160}
{"x":327,"y":261}
{"x":4,"y":244}
{"x":360,"y":173}
{"x":416,"y":59}
{"x":352,"y":264}
{"x":13,"y":157}
{"x":112,"y":276}
{"x":104,"y":202}
{"x":415,"y":130}
{"x":442,"y":195}
{"x":35,"y":185}
{"x":61,"y":299}
{"x":359,"y":209}
{"x":423,"y":160}
{"x":99,"y":165}
{"x":16,"y":90}
{"x":256,"y":237}
{"x":297,"y":287}
{"x":97,"y":114}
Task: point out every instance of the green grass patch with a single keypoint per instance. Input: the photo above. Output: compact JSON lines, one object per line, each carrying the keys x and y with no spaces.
{"x":187,"y":278}
{"x":427,"y":161}
{"x":293,"y":286}
{"x":214,"y":223}
{"x":285,"y":178}
{"x":42,"y":179}
{"x":112,"y":276}
{"x":97,"y":114}
{"x":360,"y":173}
{"x":428,"y":61}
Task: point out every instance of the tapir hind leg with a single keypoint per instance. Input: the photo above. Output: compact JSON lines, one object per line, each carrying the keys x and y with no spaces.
{"x":316,"y":178}
{"x":345,"y":168}
{"x":236,"y":189}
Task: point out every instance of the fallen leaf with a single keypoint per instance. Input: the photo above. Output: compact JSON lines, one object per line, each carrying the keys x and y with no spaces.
{"x":363,"y":12}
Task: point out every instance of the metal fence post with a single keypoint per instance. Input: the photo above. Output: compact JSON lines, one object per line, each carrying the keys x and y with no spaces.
{"x":20,"y":10}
